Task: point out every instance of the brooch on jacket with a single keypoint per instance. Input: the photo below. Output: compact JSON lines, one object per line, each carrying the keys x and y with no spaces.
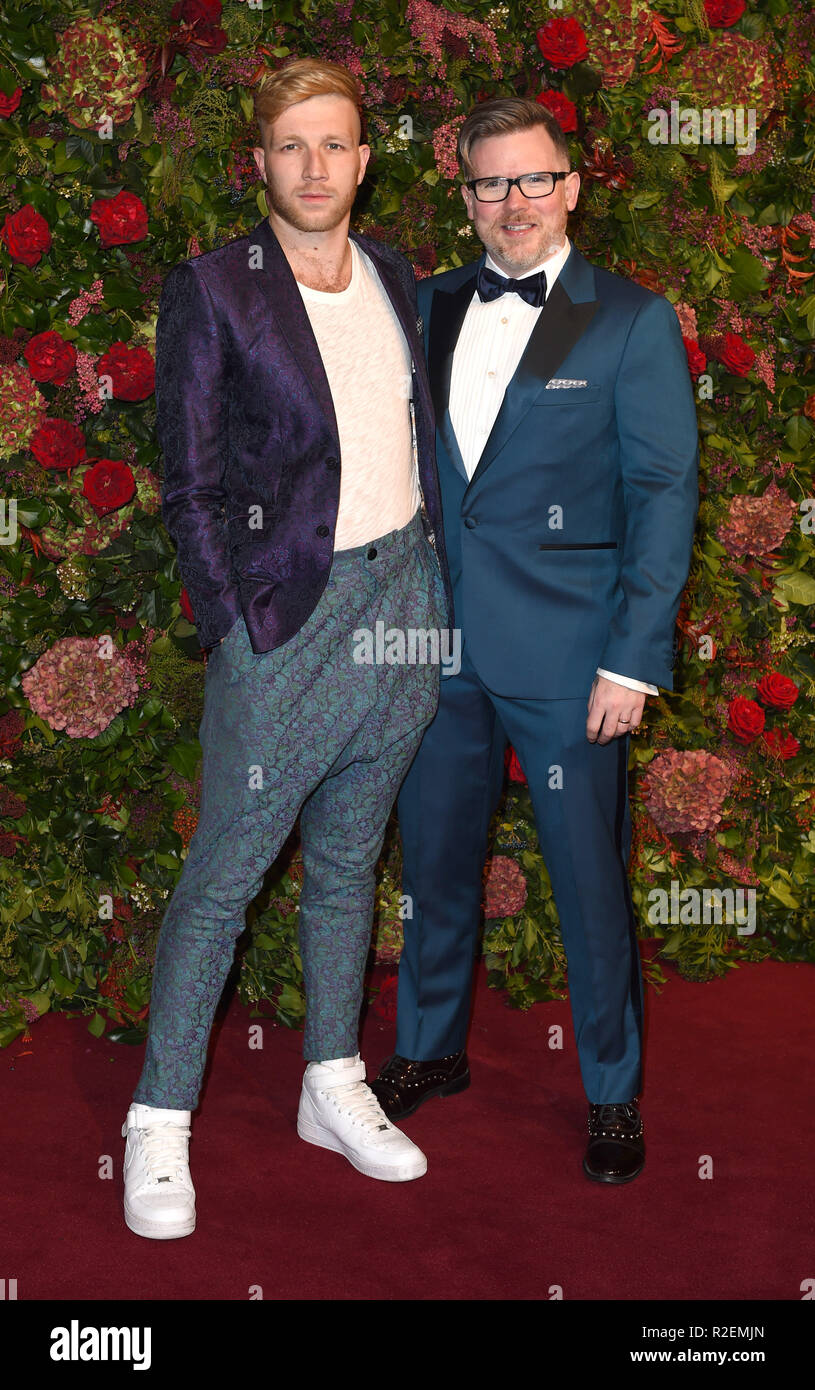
{"x":420,"y":326}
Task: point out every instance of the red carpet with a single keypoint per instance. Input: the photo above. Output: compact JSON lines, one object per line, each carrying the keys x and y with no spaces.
{"x":504,"y":1211}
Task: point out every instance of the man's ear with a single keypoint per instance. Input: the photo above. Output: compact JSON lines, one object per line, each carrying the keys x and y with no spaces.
{"x":468,"y":201}
{"x":258,"y":154}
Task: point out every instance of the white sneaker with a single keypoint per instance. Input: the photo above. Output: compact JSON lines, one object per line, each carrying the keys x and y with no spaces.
{"x":159,"y":1200}
{"x":338,"y":1111}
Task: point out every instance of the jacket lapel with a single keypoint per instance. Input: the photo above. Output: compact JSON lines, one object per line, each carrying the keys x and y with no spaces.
{"x":286,"y":303}
{"x":446,"y":317}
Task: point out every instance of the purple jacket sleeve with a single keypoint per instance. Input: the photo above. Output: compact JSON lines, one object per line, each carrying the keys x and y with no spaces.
{"x":191,"y":428}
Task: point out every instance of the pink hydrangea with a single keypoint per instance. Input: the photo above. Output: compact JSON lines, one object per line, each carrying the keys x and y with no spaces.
{"x":504,"y":887}
{"x":73,"y":688}
{"x":684,"y":791}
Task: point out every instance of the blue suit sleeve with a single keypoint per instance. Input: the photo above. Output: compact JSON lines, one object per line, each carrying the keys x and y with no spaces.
{"x":659,"y":462}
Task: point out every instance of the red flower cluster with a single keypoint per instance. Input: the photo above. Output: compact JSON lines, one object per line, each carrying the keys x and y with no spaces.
{"x":9,"y":104}
{"x":562,"y":42}
{"x":722,"y":14}
{"x":736,"y":355}
{"x":58,"y":444}
{"x":120,"y":220}
{"x":696,"y":358}
{"x":132,"y":372}
{"x":563,"y":110}
{"x":26,"y":235}
{"x":746,"y":718}
{"x":50,"y":357}
{"x":108,"y":485}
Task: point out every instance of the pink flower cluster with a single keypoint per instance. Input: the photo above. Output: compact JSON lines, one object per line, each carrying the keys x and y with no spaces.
{"x":428,"y":24}
{"x":756,"y":525}
{"x":445,"y":147}
{"x":684,"y":791}
{"x":72,"y":688}
{"x":79,"y":307}
{"x":89,"y":400}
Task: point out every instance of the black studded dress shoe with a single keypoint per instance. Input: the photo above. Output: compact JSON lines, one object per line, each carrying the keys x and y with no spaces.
{"x":402,"y":1085}
{"x":616,"y":1147}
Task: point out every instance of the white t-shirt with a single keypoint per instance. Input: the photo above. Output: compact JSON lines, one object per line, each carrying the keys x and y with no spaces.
{"x":368,"y":365}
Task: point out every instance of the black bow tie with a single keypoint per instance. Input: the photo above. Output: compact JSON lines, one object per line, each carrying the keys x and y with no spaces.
{"x":490,"y":285}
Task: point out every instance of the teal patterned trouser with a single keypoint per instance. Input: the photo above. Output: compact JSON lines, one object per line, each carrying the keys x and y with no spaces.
{"x":303,"y":729}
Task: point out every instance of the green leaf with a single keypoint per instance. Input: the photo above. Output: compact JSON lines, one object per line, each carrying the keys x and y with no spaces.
{"x":798,"y":587}
{"x":97,"y":1025}
{"x":798,"y":432}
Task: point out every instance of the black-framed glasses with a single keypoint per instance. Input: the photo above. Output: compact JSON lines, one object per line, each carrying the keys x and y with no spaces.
{"x":538,"y":185}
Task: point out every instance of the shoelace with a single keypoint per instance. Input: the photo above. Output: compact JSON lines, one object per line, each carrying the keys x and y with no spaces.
{"x":621,"y":1117}
{"x":358,"y":1100}
{"x":165,"y":1150}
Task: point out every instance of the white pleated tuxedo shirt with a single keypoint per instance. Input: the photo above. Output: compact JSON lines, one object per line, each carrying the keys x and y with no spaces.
{"x":492,"y":341}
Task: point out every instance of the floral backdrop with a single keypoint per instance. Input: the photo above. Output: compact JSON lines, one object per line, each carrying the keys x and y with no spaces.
{"x":126,"y":137}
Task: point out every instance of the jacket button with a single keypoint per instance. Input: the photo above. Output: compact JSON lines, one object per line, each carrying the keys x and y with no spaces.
{"x":322,"y":530}
{"x":470,"y":522}
{"x":332,"y":463}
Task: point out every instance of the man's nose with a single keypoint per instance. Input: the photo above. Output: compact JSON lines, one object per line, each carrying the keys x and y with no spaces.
{"x":314,"y":167}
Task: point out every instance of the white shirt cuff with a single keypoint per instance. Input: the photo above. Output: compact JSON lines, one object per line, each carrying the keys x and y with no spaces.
{"x":629,"y":681}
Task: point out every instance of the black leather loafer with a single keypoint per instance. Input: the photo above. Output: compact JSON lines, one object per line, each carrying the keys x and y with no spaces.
{"x":616,"y":1147}
{"x":402,"y":1085}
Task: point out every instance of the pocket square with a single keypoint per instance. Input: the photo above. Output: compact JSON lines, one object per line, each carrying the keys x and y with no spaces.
{"x":563,"y":381}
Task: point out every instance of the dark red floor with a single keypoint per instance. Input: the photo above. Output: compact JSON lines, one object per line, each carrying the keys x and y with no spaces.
{"x":504,"y":1210}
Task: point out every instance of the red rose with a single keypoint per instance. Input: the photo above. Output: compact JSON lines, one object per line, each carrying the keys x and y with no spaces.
{"x":809,"y":406}
{"x":49,"y":357}
{"x":385,"y":1002}
{"x":108,"y":485}
{"x":737,"y":356}
{"x":58,"y":444}
{"x":208,"y":12}
{"x":186,"y":607}
{"x":121,"y":219}
{"x":562,"y":42}
{"x":26,"y":235}
{"x":722,"y":13}
{"x":132,"y":371}
{"x":514,"y":770}
{"x":696,"y":358}
{"x":8,"y":105}
{"x":777,"y":690}
{"x":781,"y":743}
{"x":745,"y":719}
{"x":563,"y":110}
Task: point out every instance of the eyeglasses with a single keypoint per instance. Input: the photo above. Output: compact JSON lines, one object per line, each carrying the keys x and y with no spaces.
{"x":495,"y":190}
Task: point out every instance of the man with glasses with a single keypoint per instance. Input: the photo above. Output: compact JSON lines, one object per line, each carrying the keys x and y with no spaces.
{"x":567,"y":451}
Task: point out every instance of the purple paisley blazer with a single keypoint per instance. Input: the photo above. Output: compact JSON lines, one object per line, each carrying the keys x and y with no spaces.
{"x":245,"y":421}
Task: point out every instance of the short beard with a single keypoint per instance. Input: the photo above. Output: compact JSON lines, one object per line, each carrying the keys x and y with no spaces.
{"x":552,"y":242}
{"x":290,"y":211}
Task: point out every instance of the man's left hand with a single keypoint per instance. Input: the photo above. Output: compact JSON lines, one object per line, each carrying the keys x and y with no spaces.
{"x":614,"y":710}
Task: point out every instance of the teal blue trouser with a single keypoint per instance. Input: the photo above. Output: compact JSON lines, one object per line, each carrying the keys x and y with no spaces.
{"x":307,"y":729}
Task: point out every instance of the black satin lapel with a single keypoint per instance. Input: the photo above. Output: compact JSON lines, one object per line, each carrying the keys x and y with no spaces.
{"x":560,"y":325}
{"x":286,"y":303}
{"x":446,"y":317}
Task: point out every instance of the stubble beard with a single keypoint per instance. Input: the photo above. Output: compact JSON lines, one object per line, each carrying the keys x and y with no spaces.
{"x":547,"y":242}
{"x":305,"y":219}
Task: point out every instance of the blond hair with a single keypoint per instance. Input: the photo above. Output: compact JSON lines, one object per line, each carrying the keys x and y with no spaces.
{"x":276,"y":90}
{"x":502,"y":116}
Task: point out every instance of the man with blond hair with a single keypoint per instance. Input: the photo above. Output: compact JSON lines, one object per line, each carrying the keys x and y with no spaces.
{"x":567,"y":455}
{"x":296,"y":424}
